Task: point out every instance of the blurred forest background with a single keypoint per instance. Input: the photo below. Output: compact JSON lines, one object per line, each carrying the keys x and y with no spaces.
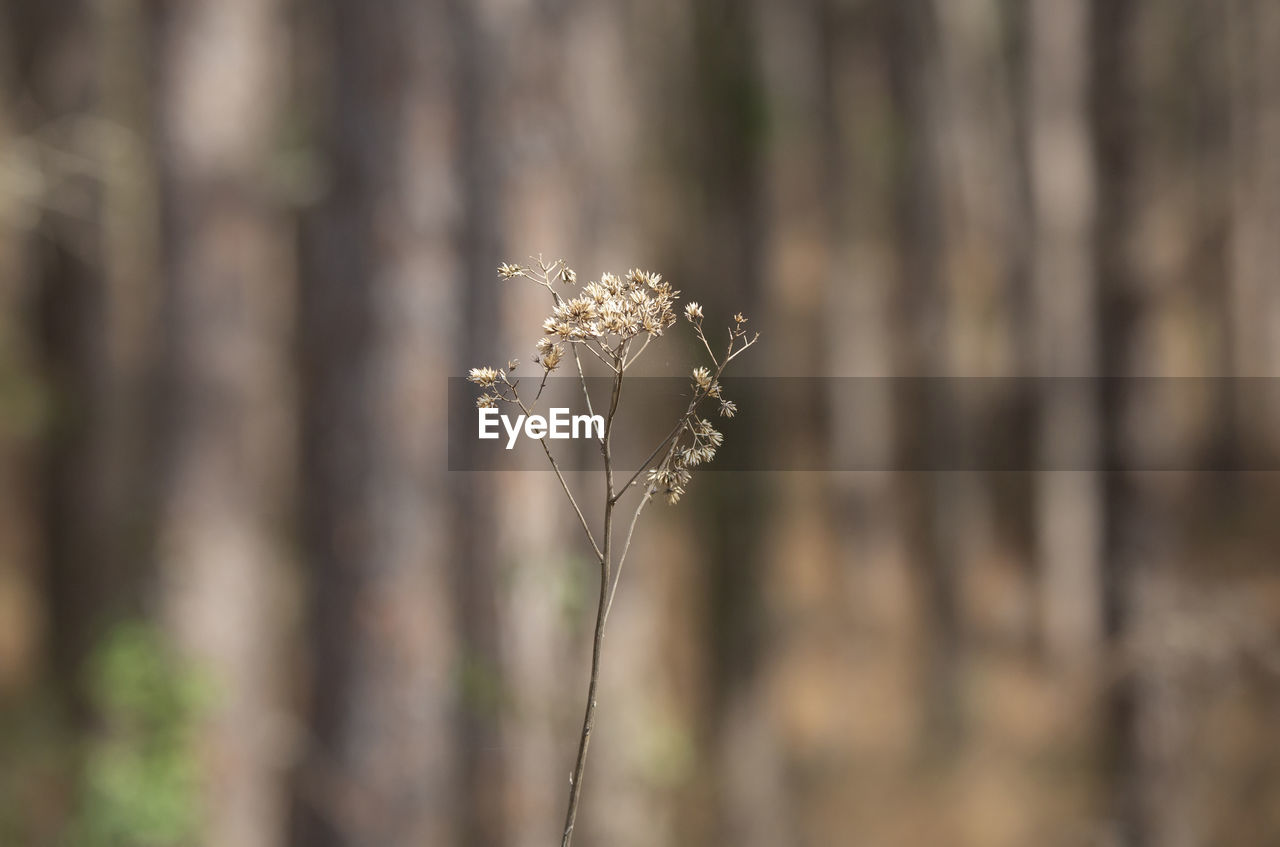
{"x":244,"y":242}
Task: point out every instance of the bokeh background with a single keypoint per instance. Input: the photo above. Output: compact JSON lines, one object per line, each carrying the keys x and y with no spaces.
{"x":244,"y":243}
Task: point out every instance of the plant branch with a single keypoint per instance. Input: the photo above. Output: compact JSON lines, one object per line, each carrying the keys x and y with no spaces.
{"x":586,"y":527}
{"x":582,"y":376}
{"x":617,"y":576}
{"x":674,"y":432}
{"x":545,"y":373}
{"x":576,"y":508}
{"x":599,"y":356}
{"x":738,"y":352}
{"x":597,"y":645}
{"x":632,"y":361}
{"x":702,"y":337}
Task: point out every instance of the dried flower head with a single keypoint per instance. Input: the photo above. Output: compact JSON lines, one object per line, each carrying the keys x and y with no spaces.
{"x":484,"y":377}
{"x":610,"y":312}
{"x":613,"y":319}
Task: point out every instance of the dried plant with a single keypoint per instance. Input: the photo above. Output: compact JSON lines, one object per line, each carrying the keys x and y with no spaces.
{"x":614,"y":320}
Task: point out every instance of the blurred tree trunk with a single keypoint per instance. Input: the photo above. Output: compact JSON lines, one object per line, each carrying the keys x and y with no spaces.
{"x":857,"y":329}
{"x":519,"y":677}
{"x":54,"y":59}
{"x":125,"y":149}
{"x":226,"y":312}
{"x":874,"y":589}
{"x":380,"y":278}
{"x":80,"y":215}
{"x":1254,"y":48}
{"x":729,"y":103}
{"x":1062,"y":270}
{"x":923,"y":312}
{"x":482,"y":815}
{"x":1113,"y":103}
{"x":21,"y":623}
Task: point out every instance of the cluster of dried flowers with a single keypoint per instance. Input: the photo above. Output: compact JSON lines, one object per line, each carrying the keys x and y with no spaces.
{"x":697,"y":439}
{"x":614,"y":320}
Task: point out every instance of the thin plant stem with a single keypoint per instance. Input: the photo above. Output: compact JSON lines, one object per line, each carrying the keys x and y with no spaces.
{"x":582,"y":376}
{"x":707,"y":345}
{"x":586,"y":527}
{"x":645,"y":464}
{"x":632,"y":360}
{"x":617,"y":576}
{"x":601,"y":357}
{"x":597,"y":644}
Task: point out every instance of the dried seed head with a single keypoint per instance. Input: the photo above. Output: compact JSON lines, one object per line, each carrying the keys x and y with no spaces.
{"x":606,"y":315}
{"x":484,"y":377}
{"x":579,"y":309}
